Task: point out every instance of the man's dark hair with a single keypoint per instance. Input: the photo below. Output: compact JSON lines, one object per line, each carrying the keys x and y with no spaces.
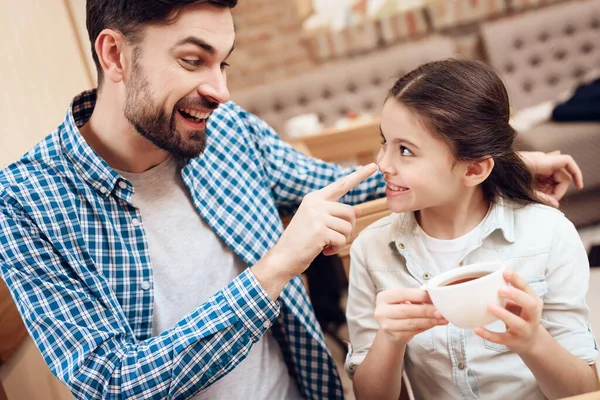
{"x":131,"y":17}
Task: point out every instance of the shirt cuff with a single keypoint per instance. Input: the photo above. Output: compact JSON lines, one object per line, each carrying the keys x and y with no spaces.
{"x":582,"y":345}
{"x":353,"y":360}
{"x":251,"y":304}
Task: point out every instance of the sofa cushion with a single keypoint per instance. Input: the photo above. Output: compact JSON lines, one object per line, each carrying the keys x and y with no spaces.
{"x":359,"y":84}
{"x":542,"y":53}
{"x":580,"y":140}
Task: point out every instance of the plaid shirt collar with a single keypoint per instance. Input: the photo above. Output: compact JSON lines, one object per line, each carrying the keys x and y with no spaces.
{"x":89,"y":165}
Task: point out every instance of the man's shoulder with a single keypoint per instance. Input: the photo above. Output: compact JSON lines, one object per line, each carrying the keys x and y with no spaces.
{"x":231,"y":116}
{"x":35,"y":170}
{"x":229,"y":113}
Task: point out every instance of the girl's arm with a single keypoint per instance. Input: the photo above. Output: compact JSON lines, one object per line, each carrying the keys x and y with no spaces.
{"x":380,"y":326}
{"x":379,"y":376}
{"x":552,"y":336}
{"x":559,"y":373}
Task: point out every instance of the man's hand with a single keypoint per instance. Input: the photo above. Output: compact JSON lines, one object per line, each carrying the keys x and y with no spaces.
{"x":321,"y":224}
{"x":553,"y":174}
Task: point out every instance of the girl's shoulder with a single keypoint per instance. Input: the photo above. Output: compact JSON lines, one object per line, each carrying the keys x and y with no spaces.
{"x":387,"y":228}
{"x":541,"y":223}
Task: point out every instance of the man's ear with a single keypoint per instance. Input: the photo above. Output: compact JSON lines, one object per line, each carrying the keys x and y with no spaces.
{"x":110,"y":48}
{"x":478,"y":171}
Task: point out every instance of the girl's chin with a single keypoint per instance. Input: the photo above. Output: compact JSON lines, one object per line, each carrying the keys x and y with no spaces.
{"x":396,"y":206}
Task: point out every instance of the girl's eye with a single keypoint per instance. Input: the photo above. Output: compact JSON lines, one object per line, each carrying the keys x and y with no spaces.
{"x":405,"y":152}
{"x":224,"y":66}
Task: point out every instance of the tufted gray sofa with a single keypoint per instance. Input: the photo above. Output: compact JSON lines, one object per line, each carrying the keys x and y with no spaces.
{"x":541,"y":54}
{"x":358,"y":85}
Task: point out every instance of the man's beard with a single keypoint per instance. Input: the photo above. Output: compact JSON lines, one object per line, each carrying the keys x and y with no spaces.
{"x":152,"y":122}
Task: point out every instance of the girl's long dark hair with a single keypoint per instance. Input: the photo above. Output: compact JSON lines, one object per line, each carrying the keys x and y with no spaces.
{"x":464,"y":103}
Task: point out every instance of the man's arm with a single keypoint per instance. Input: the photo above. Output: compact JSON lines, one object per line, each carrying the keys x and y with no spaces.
{"x":553,"y":174}
{"x":292,"y":174}
{"x":76,"y":322}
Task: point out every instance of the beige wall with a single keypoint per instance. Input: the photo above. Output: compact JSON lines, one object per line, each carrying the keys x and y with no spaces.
{"x":42,"y":68}
{"x":26,"y":377}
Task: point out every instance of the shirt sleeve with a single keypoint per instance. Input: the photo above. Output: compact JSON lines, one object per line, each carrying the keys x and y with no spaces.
{"x":293,"y":175}
{"x":566,"y":314}
{"x":75,"y":320}
{"x":360,"y":310}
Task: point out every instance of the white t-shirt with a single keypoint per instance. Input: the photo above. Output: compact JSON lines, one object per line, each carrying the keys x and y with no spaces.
{"x":190,"y":264}
{"x":447,"y":254}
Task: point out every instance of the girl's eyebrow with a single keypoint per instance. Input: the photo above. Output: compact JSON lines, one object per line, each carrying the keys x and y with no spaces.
{"x":399,"y":140}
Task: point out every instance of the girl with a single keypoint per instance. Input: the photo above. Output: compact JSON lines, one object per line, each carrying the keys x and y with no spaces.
{"x":461,"y":195}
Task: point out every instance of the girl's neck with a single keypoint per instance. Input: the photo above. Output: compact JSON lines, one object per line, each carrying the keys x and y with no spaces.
{"x":455,"y":219}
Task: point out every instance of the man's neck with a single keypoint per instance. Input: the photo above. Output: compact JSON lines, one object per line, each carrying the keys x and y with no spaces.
{"x":455,"y":220}
{"x":116,"y":141}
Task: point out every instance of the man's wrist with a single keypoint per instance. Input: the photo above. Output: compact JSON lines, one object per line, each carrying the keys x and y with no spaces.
{"x":271,"y":273}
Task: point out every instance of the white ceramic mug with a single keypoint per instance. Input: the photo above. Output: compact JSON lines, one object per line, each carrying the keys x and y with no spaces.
{"x":466,"y":304}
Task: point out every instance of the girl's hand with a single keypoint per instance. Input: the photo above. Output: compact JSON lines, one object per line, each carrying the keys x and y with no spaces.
{"x":521,"y":316}
{"x":403,"y":313}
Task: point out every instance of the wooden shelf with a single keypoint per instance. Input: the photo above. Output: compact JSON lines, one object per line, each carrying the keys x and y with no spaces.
{"x":360,"y":142}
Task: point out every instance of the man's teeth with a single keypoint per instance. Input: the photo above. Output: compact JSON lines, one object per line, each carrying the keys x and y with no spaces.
{"x":397,"y":188}
{"x":195,"y":113}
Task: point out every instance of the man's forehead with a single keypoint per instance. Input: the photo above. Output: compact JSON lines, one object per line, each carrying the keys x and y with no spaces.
{"x":205,"y":17}
{"x":200,"y":26}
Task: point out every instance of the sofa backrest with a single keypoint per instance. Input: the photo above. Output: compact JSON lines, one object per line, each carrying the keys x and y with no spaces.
{"x":544,"y":52}
{"x":359,"y":84}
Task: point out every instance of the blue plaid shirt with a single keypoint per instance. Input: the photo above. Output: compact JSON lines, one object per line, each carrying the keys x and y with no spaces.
{"x":75,"y":257}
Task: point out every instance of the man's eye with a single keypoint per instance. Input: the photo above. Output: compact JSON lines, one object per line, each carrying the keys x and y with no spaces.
{"x":193,"y":63}
{"x":405,"y":152}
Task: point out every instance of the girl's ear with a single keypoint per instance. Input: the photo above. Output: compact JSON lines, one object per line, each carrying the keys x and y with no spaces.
{"x":478,"y":171}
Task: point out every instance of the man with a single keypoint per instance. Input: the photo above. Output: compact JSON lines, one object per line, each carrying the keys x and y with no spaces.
{"x":141,"y":240}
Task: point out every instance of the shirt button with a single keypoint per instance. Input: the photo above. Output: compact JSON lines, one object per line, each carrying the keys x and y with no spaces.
{"x":267,"y":324}
{"x":461,"y":366}
{"x":135,"y":222}
{"x":122,"y":185}
{"x":401,"y":245}
{"x":426,"y":276}
{"x":145,"y":285}
{"x":103,"y":190}
{"x":460,"y":264}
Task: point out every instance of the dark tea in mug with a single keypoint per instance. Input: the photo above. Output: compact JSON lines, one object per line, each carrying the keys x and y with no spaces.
{"x":465,"y":279}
